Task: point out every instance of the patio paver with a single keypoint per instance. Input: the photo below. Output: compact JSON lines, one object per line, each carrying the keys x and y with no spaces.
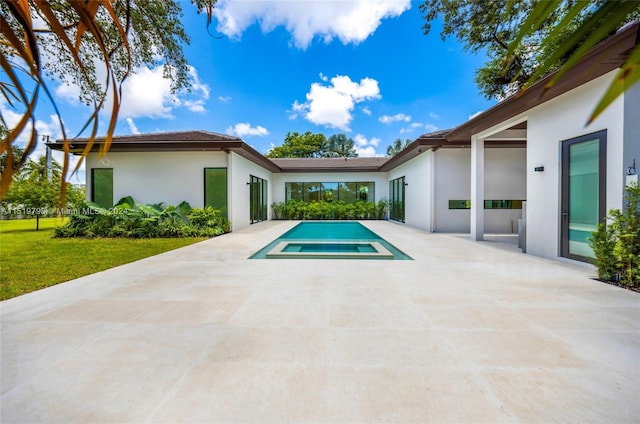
{"x":467,"y":332}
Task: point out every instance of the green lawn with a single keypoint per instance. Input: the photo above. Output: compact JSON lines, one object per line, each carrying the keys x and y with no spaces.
{"x":31,"y":260}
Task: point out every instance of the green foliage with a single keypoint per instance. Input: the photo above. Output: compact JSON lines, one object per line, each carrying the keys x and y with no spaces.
{"x":298,"y":145}
{"x":309,"y":145}
{"x":299,"y":209}
{"x":616,"y":243}
{"x":339,"y":146}
{"x":33,"y":193}
{"x":525,"y":40}
{"x":397,"y":146}
{"x":131,"y":220}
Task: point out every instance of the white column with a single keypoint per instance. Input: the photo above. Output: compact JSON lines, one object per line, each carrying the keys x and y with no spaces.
{"x":477,"y":188}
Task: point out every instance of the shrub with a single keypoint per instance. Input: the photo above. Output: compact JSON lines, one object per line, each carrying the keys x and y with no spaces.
{"x":360,"y":209}
{"x":616,"y":243}
{"x":132,"y":220}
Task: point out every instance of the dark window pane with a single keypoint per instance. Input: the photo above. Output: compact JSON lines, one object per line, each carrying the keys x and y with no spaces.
{"x":215,"y":189}
{"x":102,"y":187}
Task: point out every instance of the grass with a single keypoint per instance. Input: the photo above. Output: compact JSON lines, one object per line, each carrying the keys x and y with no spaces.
{"x":31,"y":260}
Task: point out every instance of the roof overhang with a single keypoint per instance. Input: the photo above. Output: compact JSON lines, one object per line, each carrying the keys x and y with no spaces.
{"x":605,"y":57}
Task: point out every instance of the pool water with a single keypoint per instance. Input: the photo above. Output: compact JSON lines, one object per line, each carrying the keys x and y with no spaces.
{"x":330,"y":239}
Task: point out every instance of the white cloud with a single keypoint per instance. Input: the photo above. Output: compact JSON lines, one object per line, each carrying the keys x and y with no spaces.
{"x":331,"y":105}
{"x":132,"y":126}
{"x":387,"y":119}
{"x":69,"y":93}
{"x":195,"y":105}
{"x":43,"y":128}
{"x":224,"y":99}
{"x":366,"y":111}
{"x":349,"y":21}
{"x":146,"y":93}
{"x":431,"y":127}
{"x":242,"y":129}
{"x":433,"y":115}
{"x":366,"y":147}
{"x":196,"y":85}
{"x":418,"y":126}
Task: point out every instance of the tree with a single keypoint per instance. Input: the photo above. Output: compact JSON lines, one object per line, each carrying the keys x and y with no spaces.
{"x":74,"y":41}
{"x":526,"y":40}
{"x":298,"y":145}
{"x":339,"y":146}
{"x":34,"y":194}
{"x":397,"y":147}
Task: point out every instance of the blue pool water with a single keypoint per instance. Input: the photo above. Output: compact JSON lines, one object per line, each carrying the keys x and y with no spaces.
{"x":313,"y":231}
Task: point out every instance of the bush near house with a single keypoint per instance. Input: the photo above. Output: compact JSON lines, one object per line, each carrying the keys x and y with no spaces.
{"x":616,"y":242}
{"x":132,"y":220}
{"x":298,"y":209}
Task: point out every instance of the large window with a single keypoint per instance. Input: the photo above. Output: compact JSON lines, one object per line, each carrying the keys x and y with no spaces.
{"x":215,"y":189}
{"x":329,"y":192}
{"x":396,"y":199}
{"x":102,"y":187}
{"x":258,"y":199}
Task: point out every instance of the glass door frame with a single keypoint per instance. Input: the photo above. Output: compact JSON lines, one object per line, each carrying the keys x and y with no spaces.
{"x":601,"y":136}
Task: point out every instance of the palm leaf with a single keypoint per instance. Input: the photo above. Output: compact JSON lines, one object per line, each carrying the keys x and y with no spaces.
{"x":626,"y":77}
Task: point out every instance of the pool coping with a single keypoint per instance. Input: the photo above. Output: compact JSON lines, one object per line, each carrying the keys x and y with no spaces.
{"x":278,"y":251}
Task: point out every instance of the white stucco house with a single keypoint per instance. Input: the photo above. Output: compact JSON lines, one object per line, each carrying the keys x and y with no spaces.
{"x":532,"y":151}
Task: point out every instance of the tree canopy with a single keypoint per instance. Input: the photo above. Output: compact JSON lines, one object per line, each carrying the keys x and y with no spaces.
{"x":397,"y":146}
{"x":37,"y":191}
{"x":75,"y":42}
{"x":339,"y":146}
{"x":309,"y":145}
{"x":527,"y":39}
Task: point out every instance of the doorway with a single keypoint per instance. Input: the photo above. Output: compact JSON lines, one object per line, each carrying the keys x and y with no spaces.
{"x":583,"y":193}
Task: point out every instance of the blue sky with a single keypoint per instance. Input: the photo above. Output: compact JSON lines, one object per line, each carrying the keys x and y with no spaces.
{"x":363,"y":68}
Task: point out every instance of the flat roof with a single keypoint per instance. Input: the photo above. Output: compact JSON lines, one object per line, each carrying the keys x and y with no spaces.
{"x":358,"y":164}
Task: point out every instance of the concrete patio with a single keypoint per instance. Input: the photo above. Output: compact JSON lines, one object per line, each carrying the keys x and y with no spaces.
{"x":467,"y":332}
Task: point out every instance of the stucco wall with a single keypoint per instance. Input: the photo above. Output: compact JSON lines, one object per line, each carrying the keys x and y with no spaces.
{"x":452,"y":182}
{"x":548,"y":125}
{"x":418,"y":191}
{"x":505,"y":179}
{"x":240,"y":169}
{"x":154,"y":177}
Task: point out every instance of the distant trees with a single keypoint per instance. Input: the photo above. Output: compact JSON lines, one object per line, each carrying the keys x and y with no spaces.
{"x":309,"y":145}
{"x":36,"y":191}
{"x":397,"y":146}
{"x":94,"y":45}
{"x":339,"y":146}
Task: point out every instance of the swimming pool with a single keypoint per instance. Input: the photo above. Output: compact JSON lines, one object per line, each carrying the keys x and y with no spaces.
{"x":330,"y":240}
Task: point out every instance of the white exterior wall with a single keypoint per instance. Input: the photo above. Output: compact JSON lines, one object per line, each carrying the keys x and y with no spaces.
{"x":505,"y":178}
{"x":548,"y":125}
{"x":154,"y":177}
{"x":279,"y":179}
{"x":452,"y":182}
{"x":418,"y":191}
{"x":240,"y":169}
